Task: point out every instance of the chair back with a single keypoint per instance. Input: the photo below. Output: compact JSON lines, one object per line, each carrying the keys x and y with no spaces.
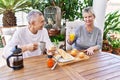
{"x":7,"y":33}
{"x":70,"y":27}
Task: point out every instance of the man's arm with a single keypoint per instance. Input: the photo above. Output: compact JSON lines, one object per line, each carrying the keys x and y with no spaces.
{"x":29,"y":47}
{"x":47,"y":39}
{"x":11,"y":44}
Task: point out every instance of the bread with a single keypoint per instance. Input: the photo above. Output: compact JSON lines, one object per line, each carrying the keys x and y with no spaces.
{"x":64,"y":54}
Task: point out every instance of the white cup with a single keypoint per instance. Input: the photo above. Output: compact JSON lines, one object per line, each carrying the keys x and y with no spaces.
{"x":42,"y":46}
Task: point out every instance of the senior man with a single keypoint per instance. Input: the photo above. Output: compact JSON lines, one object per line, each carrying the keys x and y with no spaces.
{"x":27,"y":38}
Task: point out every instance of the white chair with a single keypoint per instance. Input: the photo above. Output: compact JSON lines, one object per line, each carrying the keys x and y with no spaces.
{"x":70,"y":27}
{"x":7,"y":33}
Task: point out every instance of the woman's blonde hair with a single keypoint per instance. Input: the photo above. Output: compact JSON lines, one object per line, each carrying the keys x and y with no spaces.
{"x":88,"y":10}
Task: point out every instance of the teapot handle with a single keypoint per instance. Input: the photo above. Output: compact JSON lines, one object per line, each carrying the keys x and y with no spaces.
{"x":8,"y":61}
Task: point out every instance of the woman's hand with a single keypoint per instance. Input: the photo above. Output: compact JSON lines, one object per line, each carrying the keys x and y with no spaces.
{"x":71,"y":38}
{"x":90,"y":51}
{"x":69,"y":42}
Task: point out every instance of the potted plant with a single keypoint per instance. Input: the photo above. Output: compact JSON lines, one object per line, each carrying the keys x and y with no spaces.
{"x":111,"y":25}
{"x":114,"y":41}
{"x":8,"y":9}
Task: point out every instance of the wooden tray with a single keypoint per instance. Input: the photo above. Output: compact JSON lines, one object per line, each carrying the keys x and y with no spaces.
{"x":77,"y":59}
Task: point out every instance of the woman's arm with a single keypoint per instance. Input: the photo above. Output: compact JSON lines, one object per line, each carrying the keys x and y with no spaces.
{"x":99,"y":40}
{"x":98,"y":45}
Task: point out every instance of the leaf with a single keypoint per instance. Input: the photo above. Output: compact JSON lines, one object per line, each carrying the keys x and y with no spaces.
{"x":112,"y":22}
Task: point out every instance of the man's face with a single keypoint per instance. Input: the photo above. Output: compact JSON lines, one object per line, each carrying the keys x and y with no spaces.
{"x":39,"y":22}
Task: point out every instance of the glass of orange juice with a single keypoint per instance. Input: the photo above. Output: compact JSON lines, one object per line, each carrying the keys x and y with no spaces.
{"x":71,"y":36}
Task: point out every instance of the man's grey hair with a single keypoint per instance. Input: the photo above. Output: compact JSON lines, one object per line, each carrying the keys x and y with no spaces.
{"x":32,"y":14}
{"x":88,"y":10}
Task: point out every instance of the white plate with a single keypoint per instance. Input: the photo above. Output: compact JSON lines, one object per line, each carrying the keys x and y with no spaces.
{"x":62,"y":59}
{"x":65,"y":60}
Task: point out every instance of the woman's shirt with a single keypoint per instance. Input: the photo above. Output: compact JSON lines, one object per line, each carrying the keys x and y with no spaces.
{"x":85,"y":39}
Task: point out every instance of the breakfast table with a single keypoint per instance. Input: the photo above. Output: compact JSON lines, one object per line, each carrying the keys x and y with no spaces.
{"x":100,"y":66}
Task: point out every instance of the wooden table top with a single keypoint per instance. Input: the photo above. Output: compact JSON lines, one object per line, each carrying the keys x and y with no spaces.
{"x":101,"y":66}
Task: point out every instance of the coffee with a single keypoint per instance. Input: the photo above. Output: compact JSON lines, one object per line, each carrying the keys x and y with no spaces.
{"x":17,"y":63}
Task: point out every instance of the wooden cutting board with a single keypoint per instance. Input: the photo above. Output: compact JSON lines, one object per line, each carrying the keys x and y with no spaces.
{"x":77,"y":59}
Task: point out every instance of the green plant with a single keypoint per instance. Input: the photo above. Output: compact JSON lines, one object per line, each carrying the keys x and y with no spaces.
{"x":1,"y":44}
{"x":114,"y":42}
{"x":112,"y":23}
{"x":8,"y":9}
{"x":60,"y":37}
{"x":70,"y":9}
{"x":83,"y":4}
{"x":39,"y":4}
{"x":56,"y":42}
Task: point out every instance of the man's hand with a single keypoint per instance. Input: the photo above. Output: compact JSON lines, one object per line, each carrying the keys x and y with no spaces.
{"x":32,"y":46}
{"x":51,"y":50}
{"x":29,"y":47}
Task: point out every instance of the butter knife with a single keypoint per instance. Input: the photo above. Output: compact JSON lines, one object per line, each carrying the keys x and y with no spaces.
{"x":55,"y":63}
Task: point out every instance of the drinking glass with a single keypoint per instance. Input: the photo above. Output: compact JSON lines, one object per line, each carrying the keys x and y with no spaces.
{"x":71,"y":36}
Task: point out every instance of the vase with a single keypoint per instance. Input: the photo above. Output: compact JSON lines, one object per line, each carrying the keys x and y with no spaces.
{"x":116,"y":51}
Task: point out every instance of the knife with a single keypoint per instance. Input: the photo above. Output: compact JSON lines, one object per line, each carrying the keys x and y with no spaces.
{"x":55,"y":63}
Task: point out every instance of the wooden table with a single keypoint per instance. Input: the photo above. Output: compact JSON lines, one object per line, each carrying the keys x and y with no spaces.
{"x":101,"y":66}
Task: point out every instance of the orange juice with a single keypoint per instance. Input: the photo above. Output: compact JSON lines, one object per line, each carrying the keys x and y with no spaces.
{"x":72,"y":36}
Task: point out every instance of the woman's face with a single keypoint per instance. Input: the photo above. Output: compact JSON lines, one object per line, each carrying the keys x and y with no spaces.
{"x":88,"y":18}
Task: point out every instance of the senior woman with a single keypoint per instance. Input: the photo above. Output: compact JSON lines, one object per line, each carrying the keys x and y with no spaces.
{"x":88,"y":36}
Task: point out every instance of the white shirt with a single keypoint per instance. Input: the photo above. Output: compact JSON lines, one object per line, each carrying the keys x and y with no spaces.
{"x":23,"y":36}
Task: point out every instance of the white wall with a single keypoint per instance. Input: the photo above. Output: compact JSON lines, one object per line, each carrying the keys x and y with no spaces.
{"x":99,"y":7}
